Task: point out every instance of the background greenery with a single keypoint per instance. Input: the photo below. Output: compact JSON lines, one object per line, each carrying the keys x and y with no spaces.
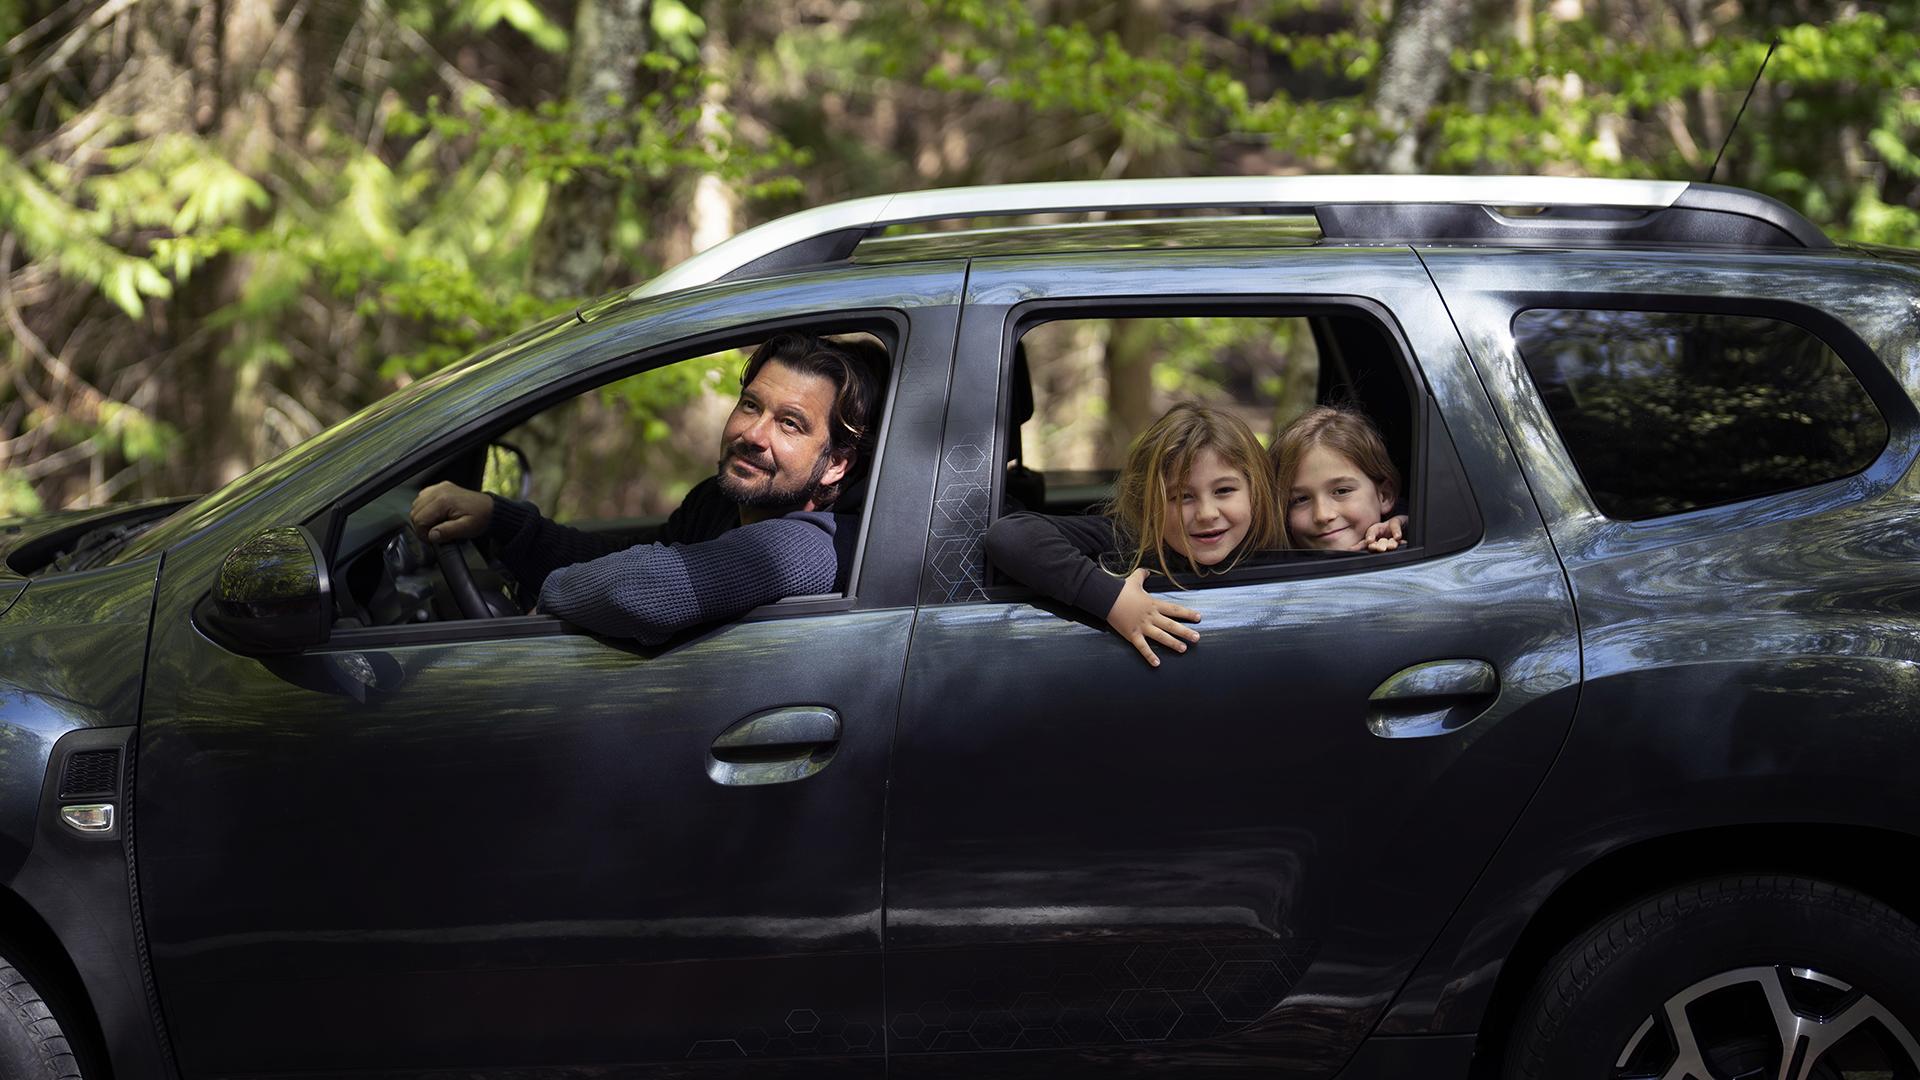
{"x":225,"y":224}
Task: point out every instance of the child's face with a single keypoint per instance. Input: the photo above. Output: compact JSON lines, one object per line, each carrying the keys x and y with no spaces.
{"x":1208,"y":516}
{"x":1332,"y":503}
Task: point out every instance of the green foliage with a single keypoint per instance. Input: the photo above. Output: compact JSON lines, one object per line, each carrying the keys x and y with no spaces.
{"x":17,"y":496}
{"x":389,"y":220}
{"x":999,"y":49}
{"x":653,"y":397}
{"x":677,"y":27}
{"x":523,"y":15}
{"x":73,"y":240}
{"x":136,"y":435}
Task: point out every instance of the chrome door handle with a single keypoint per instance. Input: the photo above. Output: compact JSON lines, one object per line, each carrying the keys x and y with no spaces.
{"x":1433,"y":698}
{"x":776,"y":746}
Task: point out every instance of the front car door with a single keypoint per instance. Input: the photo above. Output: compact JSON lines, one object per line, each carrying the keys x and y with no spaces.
{"x":1236,"y":858}
{"x":498,"y":846}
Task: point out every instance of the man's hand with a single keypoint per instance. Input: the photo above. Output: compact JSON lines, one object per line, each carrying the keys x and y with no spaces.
{"x":1385,"y":535}
{"x":1139,"y":617}
{"x":446,"y":512}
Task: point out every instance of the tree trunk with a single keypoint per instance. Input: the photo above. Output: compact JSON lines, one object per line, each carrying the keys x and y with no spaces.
{"x":572,"y":252}
{"x":242,"y":95}
{"x":711,"y":211}
{"x":1299,"y":379}
{"x":1414,"y":66}
{"x":1130,"y":355}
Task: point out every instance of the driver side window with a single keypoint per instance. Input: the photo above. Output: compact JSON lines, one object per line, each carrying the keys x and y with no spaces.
{"x":605,"y":469}
{"x":622,"y":456}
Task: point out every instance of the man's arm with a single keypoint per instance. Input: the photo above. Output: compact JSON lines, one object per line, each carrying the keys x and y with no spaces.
{"x":652,"y":591}
{"x":530,"y":545}
{"x":533,"y":547}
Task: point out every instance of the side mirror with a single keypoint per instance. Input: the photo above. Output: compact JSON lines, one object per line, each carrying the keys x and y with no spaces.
{"x":508,"y":474}
{"x":272,"y":593}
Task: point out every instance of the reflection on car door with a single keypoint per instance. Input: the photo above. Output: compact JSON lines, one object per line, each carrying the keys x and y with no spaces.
{"x":511,"y":854}
{"x":1234,"y":858}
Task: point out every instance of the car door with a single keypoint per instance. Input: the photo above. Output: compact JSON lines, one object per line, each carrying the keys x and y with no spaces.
{"x":490,"y":847}
{"x":1234,"y":859}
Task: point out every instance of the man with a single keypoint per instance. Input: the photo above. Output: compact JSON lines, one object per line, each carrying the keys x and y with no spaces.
{"x":758,"y":530}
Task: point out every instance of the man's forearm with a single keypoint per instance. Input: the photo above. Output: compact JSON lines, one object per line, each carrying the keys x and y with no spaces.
{"x":652,"y":591}
{"x":533,"y":547}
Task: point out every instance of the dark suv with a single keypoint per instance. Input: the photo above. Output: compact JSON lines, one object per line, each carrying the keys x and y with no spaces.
{"x":1609,"y":773}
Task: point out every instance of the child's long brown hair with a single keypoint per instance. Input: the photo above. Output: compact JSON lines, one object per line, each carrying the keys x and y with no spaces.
{"x":1158,"y":463}
{"x":1347,"y":432}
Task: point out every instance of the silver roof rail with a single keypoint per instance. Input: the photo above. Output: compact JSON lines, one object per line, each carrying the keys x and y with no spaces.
{"x":828,"y":233}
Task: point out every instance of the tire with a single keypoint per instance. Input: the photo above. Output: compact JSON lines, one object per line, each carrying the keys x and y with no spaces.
{"x":1749,"y":969}
{"x":32,"y":1046}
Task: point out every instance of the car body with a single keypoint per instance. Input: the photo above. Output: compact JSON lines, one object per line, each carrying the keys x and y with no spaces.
{"x":508,"y":847}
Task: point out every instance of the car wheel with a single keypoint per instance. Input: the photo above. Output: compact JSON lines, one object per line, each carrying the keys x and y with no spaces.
{"x":32,"y":1045}
{"x":1736,"y":977}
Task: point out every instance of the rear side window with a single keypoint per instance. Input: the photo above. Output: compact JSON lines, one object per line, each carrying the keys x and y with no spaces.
{"x":1670,"y":411}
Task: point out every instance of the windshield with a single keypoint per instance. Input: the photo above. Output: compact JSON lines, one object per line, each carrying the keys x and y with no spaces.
{"x":198,"y":513}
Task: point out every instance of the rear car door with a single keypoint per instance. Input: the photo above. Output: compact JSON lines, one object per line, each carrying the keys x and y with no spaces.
{"x":1724,"y":448}
{"x":1236,"y":858}
{"x":495,"y":846}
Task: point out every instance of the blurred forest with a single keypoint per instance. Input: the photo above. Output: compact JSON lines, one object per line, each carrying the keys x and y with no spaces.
{"x":226,"y":224}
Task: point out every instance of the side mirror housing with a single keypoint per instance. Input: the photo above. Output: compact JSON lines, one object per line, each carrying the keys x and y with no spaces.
{"x":273,"y":593}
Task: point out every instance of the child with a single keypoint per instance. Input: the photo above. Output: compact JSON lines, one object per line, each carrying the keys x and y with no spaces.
{"x":1336,"y":482}
{"x":1194,"y":492}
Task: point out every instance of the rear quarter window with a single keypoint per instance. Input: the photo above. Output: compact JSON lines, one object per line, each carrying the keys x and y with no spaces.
{"x":1664,"y":412}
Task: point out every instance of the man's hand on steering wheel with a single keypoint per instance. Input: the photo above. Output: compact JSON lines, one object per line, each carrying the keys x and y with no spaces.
{"x":444,"y":513}
{"x":450,"y":517}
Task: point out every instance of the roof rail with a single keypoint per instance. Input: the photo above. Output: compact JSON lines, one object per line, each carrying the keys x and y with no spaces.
{"x":1564,"y":208}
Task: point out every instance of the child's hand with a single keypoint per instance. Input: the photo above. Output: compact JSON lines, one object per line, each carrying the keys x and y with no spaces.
{"x":1385,"y":535}
{"x":1139,"y":616}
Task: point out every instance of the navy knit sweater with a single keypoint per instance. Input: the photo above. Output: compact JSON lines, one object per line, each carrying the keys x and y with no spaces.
{"x":707,"y":566}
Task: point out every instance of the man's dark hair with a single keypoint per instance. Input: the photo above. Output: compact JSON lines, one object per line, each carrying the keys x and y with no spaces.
{"x":854,"y":366}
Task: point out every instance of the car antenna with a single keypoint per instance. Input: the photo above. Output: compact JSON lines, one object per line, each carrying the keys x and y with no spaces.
{"x":1735,"y":126}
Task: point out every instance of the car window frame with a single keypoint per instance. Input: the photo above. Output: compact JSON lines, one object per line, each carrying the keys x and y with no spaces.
{"x":890,"y":325}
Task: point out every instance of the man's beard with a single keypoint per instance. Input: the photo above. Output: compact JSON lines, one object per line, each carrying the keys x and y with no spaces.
{"x":771,"y":491}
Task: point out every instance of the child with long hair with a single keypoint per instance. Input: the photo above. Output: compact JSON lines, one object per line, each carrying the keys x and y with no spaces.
{"x":1194,"y":496}
{"x":1336,"y":482}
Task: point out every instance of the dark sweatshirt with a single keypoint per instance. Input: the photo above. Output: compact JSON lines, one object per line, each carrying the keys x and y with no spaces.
{"x":1059,"y":557}
{"x":706,"y":566}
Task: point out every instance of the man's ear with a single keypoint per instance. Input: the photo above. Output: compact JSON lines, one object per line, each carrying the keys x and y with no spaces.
{"x":839,"y":463}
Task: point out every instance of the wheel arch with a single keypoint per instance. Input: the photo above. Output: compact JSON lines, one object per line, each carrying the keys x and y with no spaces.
{"x":1862,"y":858}
{"x":31,"y":944}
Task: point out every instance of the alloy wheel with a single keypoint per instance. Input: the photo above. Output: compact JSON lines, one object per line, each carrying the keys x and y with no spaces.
{"x":1770,"y":1023}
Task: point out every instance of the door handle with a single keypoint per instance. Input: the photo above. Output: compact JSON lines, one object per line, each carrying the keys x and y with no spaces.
{"x":1433,"y":698}
{"x":776,"y":746}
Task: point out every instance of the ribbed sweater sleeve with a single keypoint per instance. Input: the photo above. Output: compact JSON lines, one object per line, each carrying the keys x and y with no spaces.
{"x":533,"y":547}
{"x":650,"y":592}
{"x":1057,"y":556}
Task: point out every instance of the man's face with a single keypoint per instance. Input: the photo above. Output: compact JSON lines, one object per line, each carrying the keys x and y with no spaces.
{"x":775,"y":452}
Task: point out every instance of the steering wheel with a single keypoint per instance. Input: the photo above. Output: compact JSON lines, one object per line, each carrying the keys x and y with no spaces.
{"x":467,"y":595}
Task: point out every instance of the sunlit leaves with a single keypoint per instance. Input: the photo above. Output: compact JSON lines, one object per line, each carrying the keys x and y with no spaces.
{"x":522,"y":15}
{"x":139,"y":436}
{"x":678,"y":28}
{"x":17,"y":496}
{"x":210,"y":191}
{"x":74,"y":239}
